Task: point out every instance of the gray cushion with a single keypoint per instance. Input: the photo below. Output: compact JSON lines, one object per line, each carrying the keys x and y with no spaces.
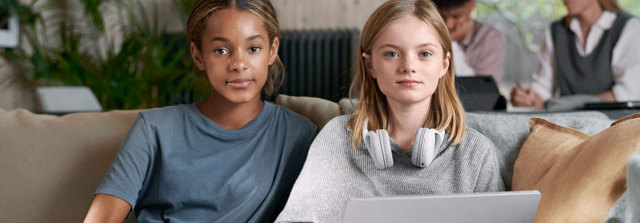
{"x":627,"y":208}
{"x":509,"y":130}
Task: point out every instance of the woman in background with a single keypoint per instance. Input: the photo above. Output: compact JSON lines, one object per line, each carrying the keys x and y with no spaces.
{"x":594,"y":50}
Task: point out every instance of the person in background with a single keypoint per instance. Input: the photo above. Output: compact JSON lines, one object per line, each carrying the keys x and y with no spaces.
{"x":230,"y":158}
{"x":593,"y":51}
{"x":408,"y":134}
{"x":478,"y":48}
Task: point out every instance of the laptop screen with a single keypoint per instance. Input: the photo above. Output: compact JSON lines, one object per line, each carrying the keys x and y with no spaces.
{"x":507,"y":206}
{"x":479,"y":93}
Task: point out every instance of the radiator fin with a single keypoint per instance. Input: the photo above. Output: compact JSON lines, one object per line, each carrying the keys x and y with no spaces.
{"x":318,"y":63}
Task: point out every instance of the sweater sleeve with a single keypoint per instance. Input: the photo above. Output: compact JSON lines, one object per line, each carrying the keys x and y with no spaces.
{"x":320,"y":183}
{"x":489,"y":178}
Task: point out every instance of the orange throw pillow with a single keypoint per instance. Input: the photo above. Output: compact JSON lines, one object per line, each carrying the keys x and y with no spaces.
{"x":579,"y":176}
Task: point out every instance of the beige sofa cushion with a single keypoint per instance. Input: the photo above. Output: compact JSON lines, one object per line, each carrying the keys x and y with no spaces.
{"x":50,"y":166}
{"x":318,"y":110}
{"x":579,"y":176}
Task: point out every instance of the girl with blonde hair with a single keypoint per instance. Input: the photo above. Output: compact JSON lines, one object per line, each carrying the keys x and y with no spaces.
{"x":230,"y":158}
{"x":408,"y":135}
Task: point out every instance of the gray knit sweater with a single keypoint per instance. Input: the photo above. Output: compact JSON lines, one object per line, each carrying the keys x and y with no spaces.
{"x":335,"y":172}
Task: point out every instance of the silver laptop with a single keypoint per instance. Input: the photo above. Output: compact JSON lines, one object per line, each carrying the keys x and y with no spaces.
{"x":495,"y":207}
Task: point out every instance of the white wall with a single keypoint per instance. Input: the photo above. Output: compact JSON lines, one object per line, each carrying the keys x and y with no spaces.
{"x":324,"y":14}
{"x":293,"y":14}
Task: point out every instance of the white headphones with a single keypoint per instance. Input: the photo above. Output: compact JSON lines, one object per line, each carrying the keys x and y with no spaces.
{"x":425,"y":145}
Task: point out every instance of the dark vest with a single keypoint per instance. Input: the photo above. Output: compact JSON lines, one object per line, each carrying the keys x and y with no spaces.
{"x":591,"y":74}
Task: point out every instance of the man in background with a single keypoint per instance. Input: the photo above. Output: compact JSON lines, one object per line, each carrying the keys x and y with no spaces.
{"x":478,"y":48}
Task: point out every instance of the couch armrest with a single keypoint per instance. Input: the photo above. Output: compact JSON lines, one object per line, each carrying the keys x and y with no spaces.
{"x":50,"y":166}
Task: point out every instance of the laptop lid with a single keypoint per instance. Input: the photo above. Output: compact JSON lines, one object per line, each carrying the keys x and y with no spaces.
{"x":479,"y":93}
{"x":494,"y":207}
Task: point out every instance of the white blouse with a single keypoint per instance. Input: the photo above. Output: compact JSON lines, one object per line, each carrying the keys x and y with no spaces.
{"x":625,"y":61}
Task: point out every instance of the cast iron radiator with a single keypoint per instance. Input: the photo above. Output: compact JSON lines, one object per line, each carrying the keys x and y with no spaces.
{"x":318,"y":63}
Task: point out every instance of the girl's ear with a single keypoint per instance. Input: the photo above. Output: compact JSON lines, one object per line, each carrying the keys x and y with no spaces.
{"x":445,"y":64}
{"x":368,"y":66}
{"x":273,"y":52}
{"x":196,"y":56}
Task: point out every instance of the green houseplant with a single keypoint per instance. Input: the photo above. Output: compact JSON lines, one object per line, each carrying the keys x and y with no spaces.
{"x":148,"y":69}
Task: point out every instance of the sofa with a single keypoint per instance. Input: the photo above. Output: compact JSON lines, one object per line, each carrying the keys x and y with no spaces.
{"x":51,"y":165}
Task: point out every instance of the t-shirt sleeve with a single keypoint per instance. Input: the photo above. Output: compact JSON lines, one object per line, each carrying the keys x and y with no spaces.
{"x":128,"y":170}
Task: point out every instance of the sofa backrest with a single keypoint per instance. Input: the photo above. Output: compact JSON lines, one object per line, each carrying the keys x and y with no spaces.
{"x":50,"y":166}
{"x":506,"y":130}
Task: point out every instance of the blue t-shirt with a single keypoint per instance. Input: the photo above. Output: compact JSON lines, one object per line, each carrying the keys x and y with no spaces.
{"x":176,"y":165}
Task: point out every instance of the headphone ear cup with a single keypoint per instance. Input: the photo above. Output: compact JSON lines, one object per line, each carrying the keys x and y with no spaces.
{"x":417,"y":152}
{"x":423,"y":151}
{"x":387,"y":156}
{"x":379,"y":148}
